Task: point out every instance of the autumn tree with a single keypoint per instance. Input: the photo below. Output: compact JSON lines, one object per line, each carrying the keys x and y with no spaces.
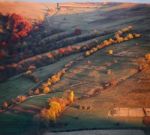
{"x":13,"y":27}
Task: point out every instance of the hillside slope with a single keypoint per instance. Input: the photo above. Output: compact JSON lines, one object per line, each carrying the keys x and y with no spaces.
{"x":108,"y":78}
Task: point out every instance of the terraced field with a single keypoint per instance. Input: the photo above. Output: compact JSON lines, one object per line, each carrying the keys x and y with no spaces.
{"x":100,"y":80}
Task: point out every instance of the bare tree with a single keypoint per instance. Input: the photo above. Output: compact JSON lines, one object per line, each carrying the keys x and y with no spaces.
{"x":49,"y":16}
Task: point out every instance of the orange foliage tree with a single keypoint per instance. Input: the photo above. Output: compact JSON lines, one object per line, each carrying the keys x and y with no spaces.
{"x":56,"y":106}
{"x":12,"y":28}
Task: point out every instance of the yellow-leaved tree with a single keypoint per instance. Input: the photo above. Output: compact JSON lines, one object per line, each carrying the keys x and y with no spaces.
{"x":71,"y":96}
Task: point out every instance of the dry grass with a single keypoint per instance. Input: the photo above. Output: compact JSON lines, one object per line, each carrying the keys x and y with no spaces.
{"x":35,"y":10}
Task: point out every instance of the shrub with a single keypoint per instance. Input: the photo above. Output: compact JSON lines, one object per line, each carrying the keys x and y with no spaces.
{"x":130,"y":36}
{"x":147,"y":57}
{"x":5,"y":105}
{"x":21,"y":98}
{"x":55,"y":78}
{"x":87,"y":53}
{"x":49,"y":83}
{"x":46,"y":90}
{"x":110,"y":52}
{"x":137,"y":35}
{"x":37,"y":92}
{"x":71,"y":96}
{"x":44,"y":85}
